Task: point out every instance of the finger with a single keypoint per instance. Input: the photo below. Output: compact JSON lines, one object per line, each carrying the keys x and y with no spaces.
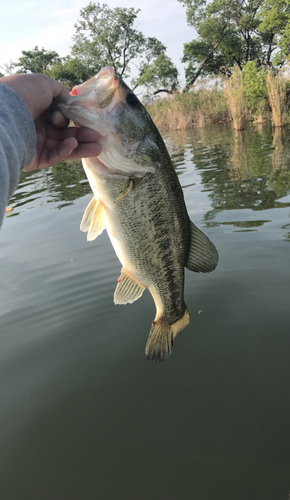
{"x":51,"y":156}
{"x":32,"y":164}
{"x":57,"y":88}
{"x":85,"y":150}
{"x":59,"y":153}
{"x":82,"y":134}
{"x":58,"y":120}
{"x":69,"y":149}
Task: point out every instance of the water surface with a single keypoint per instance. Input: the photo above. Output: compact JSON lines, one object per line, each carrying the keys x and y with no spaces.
{"x":83,"y":414}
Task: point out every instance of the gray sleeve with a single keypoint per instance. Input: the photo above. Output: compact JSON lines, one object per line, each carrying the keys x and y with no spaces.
{"x":17,"y":142}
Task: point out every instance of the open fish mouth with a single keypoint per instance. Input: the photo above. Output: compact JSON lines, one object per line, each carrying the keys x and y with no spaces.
{"x":105,"y":104}
{"x":91,"y":102}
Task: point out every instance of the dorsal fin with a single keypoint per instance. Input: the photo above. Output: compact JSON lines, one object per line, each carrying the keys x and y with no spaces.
{"x":128,"y":289}
{"x":203,"y":256}
{"x":94,"y":219}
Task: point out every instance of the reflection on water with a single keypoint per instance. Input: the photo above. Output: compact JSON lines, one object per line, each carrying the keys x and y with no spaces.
{"x":65,"y":183}
{"x":239,"y":170}
{"x":248,"y":169}
{"x":83,"y":414}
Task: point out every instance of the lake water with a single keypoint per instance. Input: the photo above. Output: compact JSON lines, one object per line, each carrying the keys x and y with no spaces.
{"x":83,"y":414}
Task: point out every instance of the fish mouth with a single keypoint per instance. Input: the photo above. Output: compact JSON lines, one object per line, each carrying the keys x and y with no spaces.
{"x":90,"y":102}
{"x":101,"y":104}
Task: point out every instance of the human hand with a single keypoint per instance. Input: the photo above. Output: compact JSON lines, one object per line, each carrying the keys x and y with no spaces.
{"x":55,"y":140}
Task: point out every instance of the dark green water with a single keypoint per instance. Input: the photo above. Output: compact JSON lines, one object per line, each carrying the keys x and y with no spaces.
{"x":83,"y":414}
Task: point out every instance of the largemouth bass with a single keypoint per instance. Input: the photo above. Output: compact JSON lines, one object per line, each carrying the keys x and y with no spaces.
{"x":138,"y":199}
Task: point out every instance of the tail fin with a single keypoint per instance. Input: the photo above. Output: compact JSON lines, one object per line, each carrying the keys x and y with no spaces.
{"x":160,"y":341}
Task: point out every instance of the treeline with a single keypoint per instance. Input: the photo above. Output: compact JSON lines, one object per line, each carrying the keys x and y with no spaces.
{"x":105,"y":37}
{"x":230,"y":33}
{"x":256,"y":95}
{"x":243,"y":44}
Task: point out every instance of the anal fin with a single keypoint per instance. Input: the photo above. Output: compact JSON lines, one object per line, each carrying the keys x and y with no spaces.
{"x":128,"y":289}
{"x":94,"y":219}
{"x":203,"y":256}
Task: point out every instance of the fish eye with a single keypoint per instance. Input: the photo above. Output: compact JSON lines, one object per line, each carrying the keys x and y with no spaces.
{"x":132,"y":100}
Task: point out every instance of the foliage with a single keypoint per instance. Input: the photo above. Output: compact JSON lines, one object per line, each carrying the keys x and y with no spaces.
{"x":37,"y":60}
{"x":275,"y":16}
{"x":108,"y":37}
{"x":161,"y":74}
{"x":255,"y":87}
{"x":234,"y":32}
{"x":104,"y":36}
{"x":70,"y":71}
{"x":192,"y":109}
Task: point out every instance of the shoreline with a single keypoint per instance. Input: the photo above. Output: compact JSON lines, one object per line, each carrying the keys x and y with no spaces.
{"x":210,"y":105}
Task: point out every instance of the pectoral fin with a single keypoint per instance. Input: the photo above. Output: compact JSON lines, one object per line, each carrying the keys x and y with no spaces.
{"x":87,"y":217}
{"x":94,"y":219}
{"x":203,"y":256}
{"x":128,"y":289}
{"x":125,"y":192}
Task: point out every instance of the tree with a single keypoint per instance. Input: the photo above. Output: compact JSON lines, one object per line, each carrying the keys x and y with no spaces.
{"x":108,"y":37}
{"x":70,"y":71}
{"x":230,"y":32}
{"x":8,"y":68}
{"x":37,"y":60}
{"x":275,"y":16}
{"x":161,"y":74}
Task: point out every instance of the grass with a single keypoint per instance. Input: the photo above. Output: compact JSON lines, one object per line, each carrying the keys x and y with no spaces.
{"x":233,"y":90}
{"x":193,"y":109}
{"x":212,"y":104}
{"x":277,"y":98}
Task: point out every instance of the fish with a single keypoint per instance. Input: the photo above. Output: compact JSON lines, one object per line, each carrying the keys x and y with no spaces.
{"x":139,"y":201}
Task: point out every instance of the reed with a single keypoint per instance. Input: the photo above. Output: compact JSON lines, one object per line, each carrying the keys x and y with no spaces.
{"x":233,"y":90}
{"x":276,"y":86}
{"x":192,"y":109}
{"x":238,"y":100}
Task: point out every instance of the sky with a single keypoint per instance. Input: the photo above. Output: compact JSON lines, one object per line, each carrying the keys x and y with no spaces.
{"x":50,"y":24}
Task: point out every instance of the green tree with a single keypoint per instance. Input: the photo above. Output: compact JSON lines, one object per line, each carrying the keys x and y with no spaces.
{"x":275,"y":16}
{"x":255,"y":87}
{"x":229,"y":33}
{"x":161,"y":74}
{"x":108,"y":37}
{"x":70,"y":71}
{"x":37,"y":60}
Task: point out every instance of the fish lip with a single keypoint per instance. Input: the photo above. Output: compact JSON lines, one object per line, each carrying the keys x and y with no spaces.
{"x":74,"y":108}
{"x":60,"y":101}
